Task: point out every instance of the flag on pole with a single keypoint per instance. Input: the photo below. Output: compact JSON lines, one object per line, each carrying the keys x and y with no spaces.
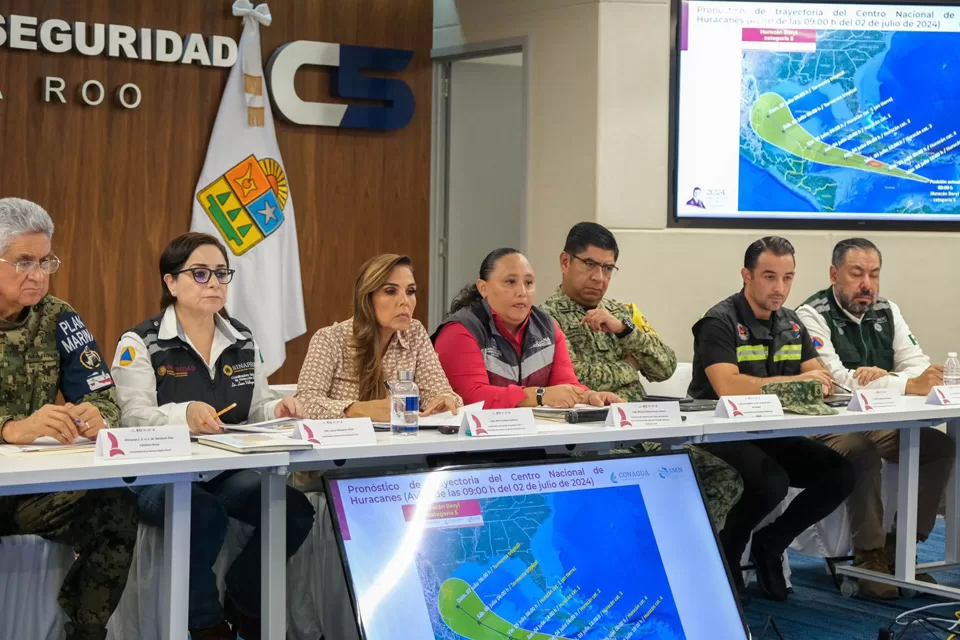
{"x":243,"y":197}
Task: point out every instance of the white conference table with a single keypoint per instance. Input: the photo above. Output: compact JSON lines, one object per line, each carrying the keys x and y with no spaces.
{"x":42,"y":473}
{"x":28,"y":473}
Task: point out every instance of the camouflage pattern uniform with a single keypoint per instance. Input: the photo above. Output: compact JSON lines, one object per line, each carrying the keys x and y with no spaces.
{"x":598,"y":357}
{"x":598,"y":360}
{"x":803,"y":397}
{"x":50,"y":351}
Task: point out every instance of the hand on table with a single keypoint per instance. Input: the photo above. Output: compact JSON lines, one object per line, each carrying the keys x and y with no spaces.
{"x":866,"y":375}
{"x":601,"y":398}
{"x":289,"y":407}
{"x":87,"y":418}
{"x":440,"y":404}
{"x":926,"y":381}
{"x":202,"y":419}
{"x":50,"y":420}
{"x":563,"y":396}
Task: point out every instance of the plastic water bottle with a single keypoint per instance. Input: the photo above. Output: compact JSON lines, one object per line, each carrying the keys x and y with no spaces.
{"x":951,"y":370}
{"x":404,"y":405}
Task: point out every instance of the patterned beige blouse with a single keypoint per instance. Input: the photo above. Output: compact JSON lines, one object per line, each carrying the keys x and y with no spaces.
{"x":328,"y":380}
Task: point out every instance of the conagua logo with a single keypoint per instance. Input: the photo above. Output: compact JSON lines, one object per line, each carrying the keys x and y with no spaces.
{"x":246,"y":203}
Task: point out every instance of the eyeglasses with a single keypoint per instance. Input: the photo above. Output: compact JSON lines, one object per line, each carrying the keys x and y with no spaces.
{"x":592,"y":266}
{"x":47,"y":265}
{"x":202,"y":276}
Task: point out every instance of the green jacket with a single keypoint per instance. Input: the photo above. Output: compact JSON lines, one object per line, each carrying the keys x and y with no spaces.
{"x":867,"y":344}
{"x":598,"y":358}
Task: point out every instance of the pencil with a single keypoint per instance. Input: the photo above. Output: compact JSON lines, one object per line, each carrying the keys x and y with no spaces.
{"x":225,"y":410}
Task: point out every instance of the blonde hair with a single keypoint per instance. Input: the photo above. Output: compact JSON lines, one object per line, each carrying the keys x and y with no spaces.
{"x":365,"y":342}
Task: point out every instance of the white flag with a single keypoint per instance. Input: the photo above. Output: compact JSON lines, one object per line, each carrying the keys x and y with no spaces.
{"x":243,"y":197}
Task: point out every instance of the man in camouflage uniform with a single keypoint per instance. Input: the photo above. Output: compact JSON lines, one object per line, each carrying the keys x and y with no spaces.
{"x":610,"y":341}
{"x":46,"y":349}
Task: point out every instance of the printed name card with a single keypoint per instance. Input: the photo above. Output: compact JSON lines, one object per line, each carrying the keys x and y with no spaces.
{"x":944,"y":395}
{"x":143,"y":442}
{"x":874,"y":400}
{"x":627,"y":415}
{"x":764,"y":406}
{"x":332,"y":433}
{"x":499,"y":422}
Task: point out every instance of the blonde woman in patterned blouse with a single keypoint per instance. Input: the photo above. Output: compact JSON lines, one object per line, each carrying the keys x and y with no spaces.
{"x":348,"y":363}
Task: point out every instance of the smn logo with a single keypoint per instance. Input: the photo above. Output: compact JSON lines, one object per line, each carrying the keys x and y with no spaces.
{"x":246,"y":203}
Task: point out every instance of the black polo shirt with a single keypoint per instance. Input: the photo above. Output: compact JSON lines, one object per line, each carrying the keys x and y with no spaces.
{"x":730,"y":333}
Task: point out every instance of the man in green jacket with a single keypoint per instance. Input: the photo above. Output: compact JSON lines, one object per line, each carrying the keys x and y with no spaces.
{"x":865,"y":342}
{"x":610,"y":341}
{"x":46,"y":350}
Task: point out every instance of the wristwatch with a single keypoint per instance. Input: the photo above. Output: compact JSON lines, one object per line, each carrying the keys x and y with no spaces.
{"x":540,"y":391}
{"x":628,"y":328}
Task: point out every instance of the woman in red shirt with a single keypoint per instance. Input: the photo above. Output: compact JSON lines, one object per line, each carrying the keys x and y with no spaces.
{"x":495,"y":346}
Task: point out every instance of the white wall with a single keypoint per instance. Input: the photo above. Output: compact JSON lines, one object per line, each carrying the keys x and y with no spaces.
{"x":672,"y":274}
{"x":561,"y":60}
{"x":487,"y":176}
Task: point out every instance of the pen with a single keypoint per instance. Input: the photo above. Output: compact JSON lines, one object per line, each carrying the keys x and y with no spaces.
{"x":841,"y":387}
{"x":225,"y":410}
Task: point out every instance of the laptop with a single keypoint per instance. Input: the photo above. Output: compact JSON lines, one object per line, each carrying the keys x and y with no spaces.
{"x":611,"y":547}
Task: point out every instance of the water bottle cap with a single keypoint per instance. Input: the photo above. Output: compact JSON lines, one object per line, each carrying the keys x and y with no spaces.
{"x":952,"y":354}
{"x":405,"y":376}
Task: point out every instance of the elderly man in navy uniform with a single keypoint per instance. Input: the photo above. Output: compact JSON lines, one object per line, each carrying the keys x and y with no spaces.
{"x":46,"y":350}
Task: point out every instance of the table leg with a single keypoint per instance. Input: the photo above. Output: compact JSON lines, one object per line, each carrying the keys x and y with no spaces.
{"x":907,"y":492}
{"x":273,"y":550}
{"x":176,"y":561}
{"x":953,"y":495}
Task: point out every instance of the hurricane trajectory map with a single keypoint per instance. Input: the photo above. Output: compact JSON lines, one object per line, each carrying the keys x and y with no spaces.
{"x":540,"y":568}
{"x":864,"y":124}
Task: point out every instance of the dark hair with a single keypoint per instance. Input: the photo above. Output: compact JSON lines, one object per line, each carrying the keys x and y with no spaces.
{"x":176,"y":255}
{"x":470,"y":295}
{"x":774,"y":244}
{"x":590,"y":234}
{"x":840,"y":251}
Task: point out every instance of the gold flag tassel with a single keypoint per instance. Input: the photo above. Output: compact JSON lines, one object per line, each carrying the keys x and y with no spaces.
{"x":253,"y":86}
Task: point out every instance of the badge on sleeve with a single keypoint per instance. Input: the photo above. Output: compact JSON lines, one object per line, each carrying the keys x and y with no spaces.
{"x":127,"y":356}
{"x":81,"y":366}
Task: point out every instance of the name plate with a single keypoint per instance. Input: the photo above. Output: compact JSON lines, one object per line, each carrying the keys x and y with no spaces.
{"x":944,"y":395}
{"x":875,"y":400}
{"x":143,"y":442}
{"x":763,"y":406}
{"x":332,"y":433}
{"x":499,"y":422}
{"x":627,"y":415}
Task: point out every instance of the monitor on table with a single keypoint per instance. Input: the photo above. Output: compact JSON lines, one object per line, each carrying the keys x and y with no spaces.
{"x":611,"y":547}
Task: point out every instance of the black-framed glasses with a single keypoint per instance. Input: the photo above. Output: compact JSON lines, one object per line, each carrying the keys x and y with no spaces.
{"x":202,"y":275}
{"x":48,"y":265}
{"x":593,"y":266}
